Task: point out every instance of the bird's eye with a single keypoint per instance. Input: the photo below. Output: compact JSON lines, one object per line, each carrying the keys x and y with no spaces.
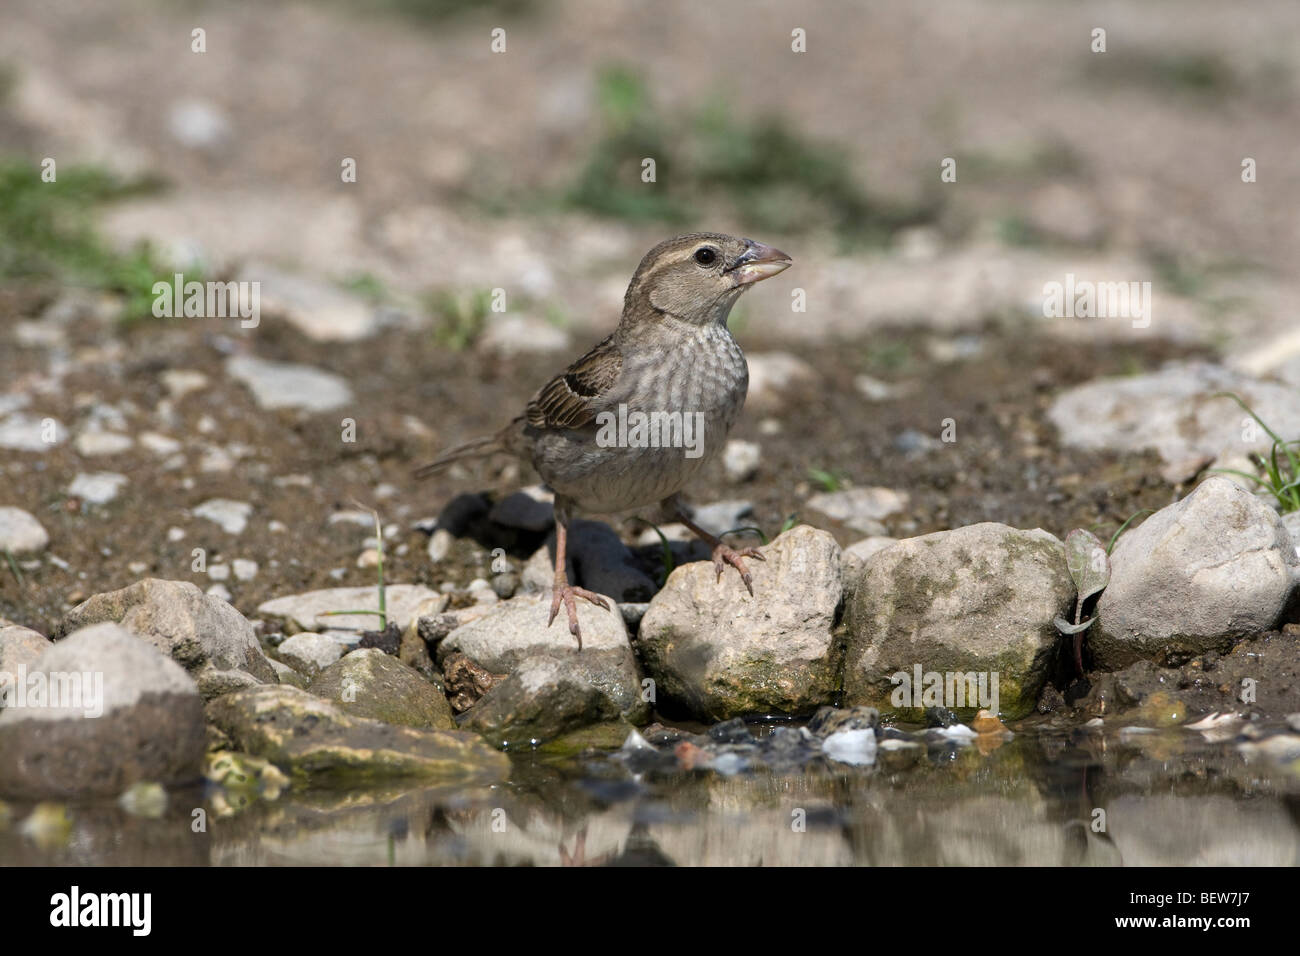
{"x":705,"y":256}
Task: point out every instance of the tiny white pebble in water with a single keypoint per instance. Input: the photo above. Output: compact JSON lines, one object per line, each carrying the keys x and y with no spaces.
{"x":636,"y":742}
{"x":219,"y":591}
{"x":245,"y":570}
{"x":175,"y":534}
{"x":368,"y":558}
{"x":338,"y":574}
{"x":729,"y":764}
{"x":957,"y":732}
{"x":219,"y":572}
{"x":856,"y":747}
{"x":137,"y":567}
{"x":402,"y":550}
{"x":1135,"y":731}
{"x":770,"y":426}
{"x":276,"y":526}
{"x":58,"y":562}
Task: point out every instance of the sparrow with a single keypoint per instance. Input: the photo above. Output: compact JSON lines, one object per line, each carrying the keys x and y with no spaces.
{"x":671,"y":364}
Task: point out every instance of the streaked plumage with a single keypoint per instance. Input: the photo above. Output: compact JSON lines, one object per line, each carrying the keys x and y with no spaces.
{"x":671,"y":354}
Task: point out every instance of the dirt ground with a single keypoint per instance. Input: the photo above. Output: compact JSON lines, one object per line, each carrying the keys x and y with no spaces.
{"x":1126,"y":162}
{"x":413,"y":399}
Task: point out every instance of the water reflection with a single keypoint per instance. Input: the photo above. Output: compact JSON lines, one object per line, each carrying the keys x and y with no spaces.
{"x":1042,"y":798}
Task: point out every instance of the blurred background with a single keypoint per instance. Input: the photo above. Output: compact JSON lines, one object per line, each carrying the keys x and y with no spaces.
{"x":521,"y":170}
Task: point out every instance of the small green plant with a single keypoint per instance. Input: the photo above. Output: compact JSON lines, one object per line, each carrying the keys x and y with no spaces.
{"x":382,"y":613}
{"x":770,"y":176}
{"x":1088,"y":562}
{"x":459,"y":317}
{"x":827,"y":480}
{"x":46,"y":232}
{"x":1281,"y":467}
{"x":1089,"y":566}
{"x":667,"y":562}
{"x":367,"y":285}
{"x":754,"y":529}
{"x":13,"y":566}
{"x":1110,"y":545}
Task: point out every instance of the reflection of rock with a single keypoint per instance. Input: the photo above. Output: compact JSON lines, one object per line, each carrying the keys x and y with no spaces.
{"x":711,"y":646}
{"x":204,"y":634}
{"x":975,"y":600}
{"x":313,"y":739}
{"x":1195,"y":575}
{"x":1139,"y":827}
{"x":117,"y":712}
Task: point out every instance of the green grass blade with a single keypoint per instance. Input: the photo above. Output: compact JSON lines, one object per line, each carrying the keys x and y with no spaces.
{"x":1131,"y":518}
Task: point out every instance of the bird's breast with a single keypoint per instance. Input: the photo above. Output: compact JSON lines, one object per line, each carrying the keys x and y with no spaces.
{"x":666,"y":418}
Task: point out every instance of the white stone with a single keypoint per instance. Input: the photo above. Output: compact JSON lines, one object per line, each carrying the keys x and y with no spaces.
{"x":20,"y":532}
{"x":286,"y":385}
{"x":740,"y":459}
{"x":98,"y":488}
{"x":91,"y":444}
{"x":231,"y":516}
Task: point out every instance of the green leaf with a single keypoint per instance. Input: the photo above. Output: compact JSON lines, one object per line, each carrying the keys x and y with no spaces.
{"x":1088,"y":562}
{"x":1065,"y":627}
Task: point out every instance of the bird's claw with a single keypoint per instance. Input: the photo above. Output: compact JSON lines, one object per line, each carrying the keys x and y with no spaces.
{"x":564,"y":593}
{"x":723,"y":556}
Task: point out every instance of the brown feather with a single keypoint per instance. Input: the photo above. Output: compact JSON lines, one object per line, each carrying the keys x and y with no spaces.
{"x":566,"y":401}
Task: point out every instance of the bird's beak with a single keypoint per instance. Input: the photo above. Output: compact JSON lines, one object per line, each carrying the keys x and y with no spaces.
{"x":759,"y":262}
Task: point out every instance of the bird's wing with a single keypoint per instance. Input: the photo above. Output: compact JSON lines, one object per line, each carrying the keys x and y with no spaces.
{"x":567,"y":400}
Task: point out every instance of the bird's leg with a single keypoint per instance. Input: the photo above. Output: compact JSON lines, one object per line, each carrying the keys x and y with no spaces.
{"x":722,"y":554}
{"x":562,"y":592}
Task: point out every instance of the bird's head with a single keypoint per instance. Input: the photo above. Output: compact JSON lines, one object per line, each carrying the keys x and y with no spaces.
{"x":698,"y":278}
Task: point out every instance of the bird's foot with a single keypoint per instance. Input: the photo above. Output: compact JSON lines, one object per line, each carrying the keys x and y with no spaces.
{"x":564,"y":593}
{"x":723,"y":556}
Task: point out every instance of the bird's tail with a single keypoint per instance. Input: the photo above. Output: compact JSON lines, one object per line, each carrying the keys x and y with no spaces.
{"x":478,"y":448}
